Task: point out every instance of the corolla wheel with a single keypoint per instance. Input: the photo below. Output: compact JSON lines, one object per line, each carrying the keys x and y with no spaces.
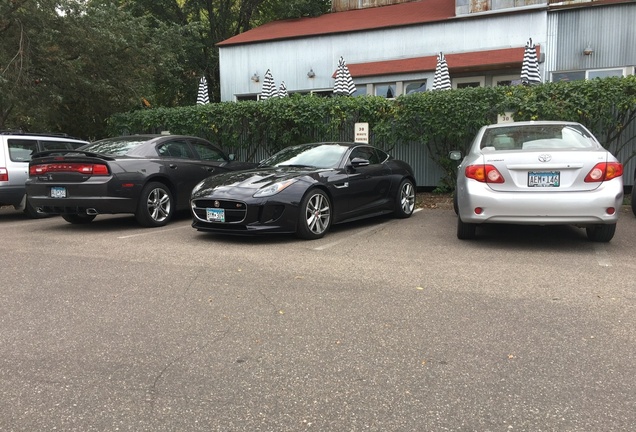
{"x":405,"y":199}
{"x":155,"y":205}
{"x":315,"y":215}
{"x":465,"y":231}
{"x":601,"y":233}
{"x":634,"y":199}
{"x":455,"y":203}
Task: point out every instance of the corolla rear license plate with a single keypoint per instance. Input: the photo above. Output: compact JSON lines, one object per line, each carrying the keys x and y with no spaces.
{"x":215,"y":214}
{"x":58,"y":192}
{"x":544,"y":178}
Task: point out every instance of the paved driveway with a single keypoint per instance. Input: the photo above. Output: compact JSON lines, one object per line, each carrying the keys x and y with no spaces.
{"x":383,"y":325}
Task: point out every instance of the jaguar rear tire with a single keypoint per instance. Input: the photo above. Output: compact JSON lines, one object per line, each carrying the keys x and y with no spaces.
{"x":405,"y":199}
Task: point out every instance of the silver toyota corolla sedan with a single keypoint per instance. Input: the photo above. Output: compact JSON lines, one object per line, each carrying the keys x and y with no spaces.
{"x":538,"y":173}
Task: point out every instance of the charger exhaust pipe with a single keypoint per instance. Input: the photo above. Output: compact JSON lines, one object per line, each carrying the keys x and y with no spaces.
{"x":91,"y":211}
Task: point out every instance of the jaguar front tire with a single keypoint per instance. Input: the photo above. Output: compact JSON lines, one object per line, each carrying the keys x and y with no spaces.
{"x":314,"y":219}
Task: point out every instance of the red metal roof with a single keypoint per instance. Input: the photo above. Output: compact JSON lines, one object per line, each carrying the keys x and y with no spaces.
{"x":418,"y":12}
{"x":460,"y":62}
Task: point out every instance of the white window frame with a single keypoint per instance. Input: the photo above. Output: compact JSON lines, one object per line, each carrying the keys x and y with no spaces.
{"x":627,"y":70}
{"x":624,"y":69}
{"x":406,"y":83}
{"x":497,"y":78}
{"x":393,"y":84}
{"x":474,"y":79}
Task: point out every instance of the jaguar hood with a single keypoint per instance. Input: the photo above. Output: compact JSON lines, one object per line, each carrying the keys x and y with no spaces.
{"x":246,"y":181}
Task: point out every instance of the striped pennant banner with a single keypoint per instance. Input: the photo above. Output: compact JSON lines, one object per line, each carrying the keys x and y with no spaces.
{"x":268,"y":90}
{"x":344,"y":84}
{"x":441,"y":79}
{"x":282,"y":90}
{"x":530,"y":67}
{"x":203,"y":96}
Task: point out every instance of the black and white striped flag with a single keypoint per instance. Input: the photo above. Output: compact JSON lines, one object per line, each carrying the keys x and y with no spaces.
{"x":268,"y":90}
{"x":203,"y":97}
{"x":441,"y":79}
{"x":344,"y":84}
{"x":530,"y":67}
{"x":282,"y":90}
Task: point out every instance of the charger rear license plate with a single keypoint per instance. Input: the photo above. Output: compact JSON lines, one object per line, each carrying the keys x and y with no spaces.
{"x":544,"y":178}
{"x":215,"y":214}
{"x":58,"y":192}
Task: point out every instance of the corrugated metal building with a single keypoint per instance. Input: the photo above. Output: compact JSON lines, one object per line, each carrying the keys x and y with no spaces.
{"x":392,"y":49}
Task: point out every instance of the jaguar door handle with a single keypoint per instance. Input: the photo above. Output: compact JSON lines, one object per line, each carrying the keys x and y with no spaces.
{"x":341,"y":185}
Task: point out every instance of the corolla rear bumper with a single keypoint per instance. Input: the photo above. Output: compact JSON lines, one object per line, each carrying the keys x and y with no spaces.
{"x":478,"y":203}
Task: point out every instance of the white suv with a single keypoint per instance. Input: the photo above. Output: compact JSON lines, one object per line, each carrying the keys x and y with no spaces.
{"x":16,"y":149}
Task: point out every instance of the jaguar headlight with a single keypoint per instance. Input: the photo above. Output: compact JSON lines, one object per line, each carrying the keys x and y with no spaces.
{"x":273,"y":189}
{"x":197,"y":188}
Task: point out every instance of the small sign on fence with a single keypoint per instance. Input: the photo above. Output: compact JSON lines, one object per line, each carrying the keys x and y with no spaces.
{"x":505,"y":117}
{"x":362,"y":133}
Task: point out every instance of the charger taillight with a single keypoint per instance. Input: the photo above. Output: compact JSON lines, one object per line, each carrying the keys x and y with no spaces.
{"x":69,"y":167}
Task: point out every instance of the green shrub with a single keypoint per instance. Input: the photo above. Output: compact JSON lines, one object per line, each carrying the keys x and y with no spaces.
{"x":439,"y":120}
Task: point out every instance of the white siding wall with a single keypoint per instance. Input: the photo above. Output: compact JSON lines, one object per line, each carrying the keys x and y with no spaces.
{"x":290,"y":60}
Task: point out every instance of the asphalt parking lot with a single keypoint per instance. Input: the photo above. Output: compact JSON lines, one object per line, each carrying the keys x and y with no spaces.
{"x":383,"y":325}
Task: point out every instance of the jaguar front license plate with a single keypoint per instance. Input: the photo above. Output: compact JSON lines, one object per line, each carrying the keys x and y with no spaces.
{"x":215,"y":215}
{"x":58,"y":192}
{"x":544,"y":178}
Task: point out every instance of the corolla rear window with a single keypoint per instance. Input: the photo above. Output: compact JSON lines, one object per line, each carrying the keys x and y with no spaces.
{"x":313,"y":156}
{"x":532,"y":137}
{"x":116,"y":147}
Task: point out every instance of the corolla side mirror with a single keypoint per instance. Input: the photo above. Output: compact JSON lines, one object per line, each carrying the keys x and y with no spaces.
{"x":455,"y":155}
{"x":359,"y":162}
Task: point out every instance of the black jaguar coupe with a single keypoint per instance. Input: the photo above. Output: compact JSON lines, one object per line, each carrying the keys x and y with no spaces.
{"x":304,"y":190}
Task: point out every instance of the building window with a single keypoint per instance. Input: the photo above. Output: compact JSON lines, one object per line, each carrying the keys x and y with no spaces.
{"x":249,"y":97}
{"x":414,"y":87}
{"x":385,"y":90}
{"x":478,"y":81}
{"x":506,"y":80}
{"x":605,"y":73}
{"x":322,"y":93}
{"x":590,"y":74}
{"x":361,"y":90}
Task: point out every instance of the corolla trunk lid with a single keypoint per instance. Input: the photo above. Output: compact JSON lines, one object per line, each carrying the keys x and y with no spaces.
{"x":545,"y":170}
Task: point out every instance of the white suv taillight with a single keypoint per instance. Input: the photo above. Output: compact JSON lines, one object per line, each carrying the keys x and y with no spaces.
{"x":4,"y":174}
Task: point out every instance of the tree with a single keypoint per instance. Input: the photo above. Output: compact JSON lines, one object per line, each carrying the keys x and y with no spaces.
{"x":210,"y":22}
{"x":68,"y":65}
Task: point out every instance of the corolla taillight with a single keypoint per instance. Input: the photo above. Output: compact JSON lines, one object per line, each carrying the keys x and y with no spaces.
{"x":604,"y":171}
{"x":74,"y":167}
{"x":484,"y":173}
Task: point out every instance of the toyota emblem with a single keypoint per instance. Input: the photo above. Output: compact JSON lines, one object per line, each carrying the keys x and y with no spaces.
{"x":545,"y":158}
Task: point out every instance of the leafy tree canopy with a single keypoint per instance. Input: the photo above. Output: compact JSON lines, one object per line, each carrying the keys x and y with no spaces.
{"x":67,"y":65}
